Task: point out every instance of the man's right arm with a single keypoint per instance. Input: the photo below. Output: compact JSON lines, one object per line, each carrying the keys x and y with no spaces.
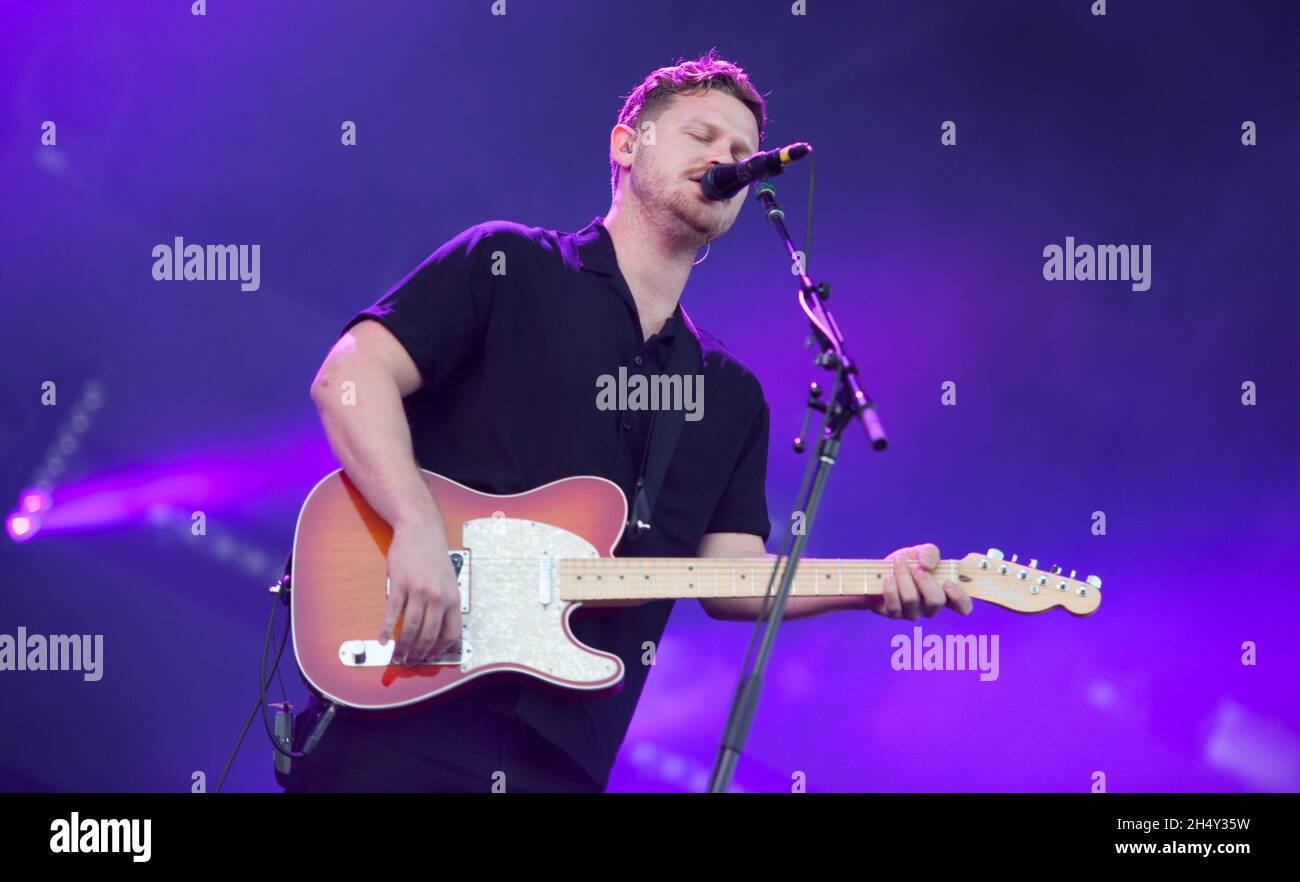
{"x":369,"y":434}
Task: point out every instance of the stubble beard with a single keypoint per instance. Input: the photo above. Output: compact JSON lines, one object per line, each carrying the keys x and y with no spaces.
{"x":681,"y":216}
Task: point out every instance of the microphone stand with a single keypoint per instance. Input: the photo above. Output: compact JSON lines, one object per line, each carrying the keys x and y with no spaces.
{"x":847,"y":402}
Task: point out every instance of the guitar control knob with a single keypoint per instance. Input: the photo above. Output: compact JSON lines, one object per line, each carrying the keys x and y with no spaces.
{"x":1094,"y":581}
{"x":995,"y":554}
{"x":358,"y":650}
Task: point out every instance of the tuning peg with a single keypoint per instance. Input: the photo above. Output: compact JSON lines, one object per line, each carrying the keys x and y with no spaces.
{"x":995,"y":554}
{"x":1013,"y":557}
{"x":1056,"y":571}
{"x":1033,"y":563}
{"x":1073,"y":573}
{"x":1094,"y":581}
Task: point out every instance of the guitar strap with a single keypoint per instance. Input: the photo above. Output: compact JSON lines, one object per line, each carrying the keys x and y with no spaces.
{"x":685,"y":359}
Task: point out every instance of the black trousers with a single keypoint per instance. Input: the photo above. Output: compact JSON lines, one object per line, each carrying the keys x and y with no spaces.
{"x":459,"y":747}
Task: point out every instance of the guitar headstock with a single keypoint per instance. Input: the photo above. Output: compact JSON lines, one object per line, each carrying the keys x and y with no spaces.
{"x":1024,"y":587}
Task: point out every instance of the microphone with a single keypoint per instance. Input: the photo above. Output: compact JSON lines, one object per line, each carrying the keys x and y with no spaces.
{"x":724,"y":181}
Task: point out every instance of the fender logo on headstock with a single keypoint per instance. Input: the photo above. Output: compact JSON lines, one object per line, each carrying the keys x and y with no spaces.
{"x":988,"y":587}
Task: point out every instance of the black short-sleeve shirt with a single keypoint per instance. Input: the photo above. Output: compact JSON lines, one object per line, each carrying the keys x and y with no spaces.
{"x":511,"y":327}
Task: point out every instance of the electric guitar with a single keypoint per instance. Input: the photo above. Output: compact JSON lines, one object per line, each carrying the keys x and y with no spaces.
{"x":525,"y":562}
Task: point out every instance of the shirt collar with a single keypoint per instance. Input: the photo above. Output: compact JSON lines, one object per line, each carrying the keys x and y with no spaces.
{"x":596,"y":254}
{"x":596,"y":249}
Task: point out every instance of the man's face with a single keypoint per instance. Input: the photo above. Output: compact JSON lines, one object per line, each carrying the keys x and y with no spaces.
{"x":693,"y":134}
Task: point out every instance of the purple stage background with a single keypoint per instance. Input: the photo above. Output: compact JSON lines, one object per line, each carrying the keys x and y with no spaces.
{"x":1072,"y":397}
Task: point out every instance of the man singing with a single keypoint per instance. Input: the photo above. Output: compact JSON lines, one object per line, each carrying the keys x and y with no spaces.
{"x":482,"y":365}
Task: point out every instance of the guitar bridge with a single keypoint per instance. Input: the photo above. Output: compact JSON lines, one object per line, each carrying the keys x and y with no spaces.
{"x":372,"y":654}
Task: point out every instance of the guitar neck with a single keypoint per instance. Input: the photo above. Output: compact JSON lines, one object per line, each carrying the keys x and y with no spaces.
{"x":670,"y":578}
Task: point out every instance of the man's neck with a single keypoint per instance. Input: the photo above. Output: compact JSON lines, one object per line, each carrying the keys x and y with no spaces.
{"x":654,"y":266}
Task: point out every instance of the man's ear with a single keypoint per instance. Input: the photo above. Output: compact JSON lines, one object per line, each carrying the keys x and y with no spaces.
{"x":627,"y":135}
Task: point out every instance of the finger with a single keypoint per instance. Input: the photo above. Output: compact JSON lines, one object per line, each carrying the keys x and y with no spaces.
{"x":450,"y":631}
{"x":958,"y":599}
{"x":933,"y":598}
{"x":907,"y":596}
{"x":891,"y":605}
{"x":393,"y":609}
{"x":411,"y":621}
{"x":929,"y":555}
{"x":428,"y":637}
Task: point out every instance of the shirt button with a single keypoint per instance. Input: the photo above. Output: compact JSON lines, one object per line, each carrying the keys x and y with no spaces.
{"x":637,"y":360}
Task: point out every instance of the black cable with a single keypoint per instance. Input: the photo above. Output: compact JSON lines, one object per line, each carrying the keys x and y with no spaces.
{"x":807,"y":233}
{"x":279,"y":677}
{"x":263,"y":682}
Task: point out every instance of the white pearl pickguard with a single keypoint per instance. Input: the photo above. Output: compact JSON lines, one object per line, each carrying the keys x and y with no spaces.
{"x":508,"y":623}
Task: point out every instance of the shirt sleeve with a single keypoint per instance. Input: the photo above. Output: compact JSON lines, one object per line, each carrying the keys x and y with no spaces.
{"x":743,"y":506}
{"x":439,"y":312}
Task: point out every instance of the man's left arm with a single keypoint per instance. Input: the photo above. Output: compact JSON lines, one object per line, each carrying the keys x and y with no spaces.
{"x":740,"y":526}
{"x":909,"y":592}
